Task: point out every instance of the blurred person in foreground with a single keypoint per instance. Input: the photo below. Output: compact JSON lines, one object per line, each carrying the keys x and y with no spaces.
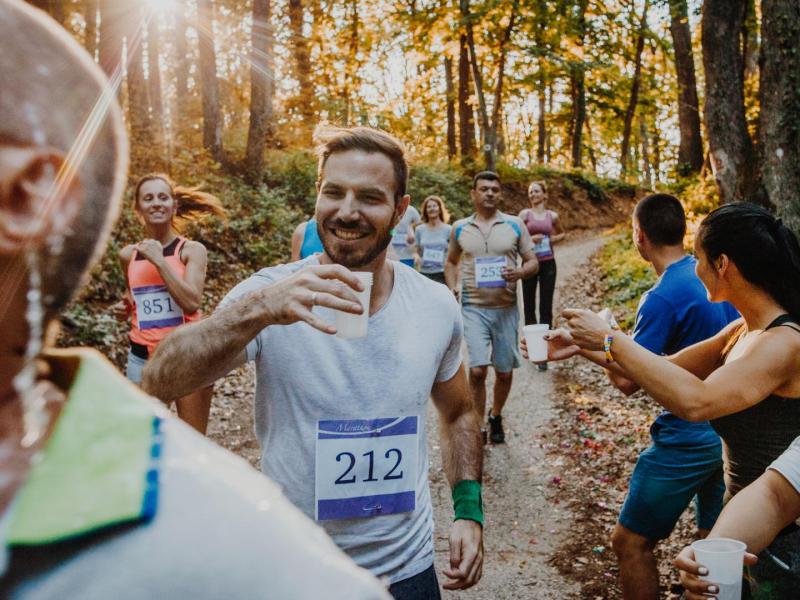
{"x":103,"y":494}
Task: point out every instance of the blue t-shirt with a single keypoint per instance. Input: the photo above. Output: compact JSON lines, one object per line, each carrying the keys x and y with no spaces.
{"x":673,"y":314}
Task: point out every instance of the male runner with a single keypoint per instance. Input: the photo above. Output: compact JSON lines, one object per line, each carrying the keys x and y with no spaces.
{"x":403,"y":239}
{"x":488,"y":244}
{"x":685,"y":459}
{"x":342,"y":422}
{"x":103,"y":494}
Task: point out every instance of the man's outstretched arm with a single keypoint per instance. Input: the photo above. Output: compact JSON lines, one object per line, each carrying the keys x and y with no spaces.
{"x":196,"y":355}
{"x":462,"y":458}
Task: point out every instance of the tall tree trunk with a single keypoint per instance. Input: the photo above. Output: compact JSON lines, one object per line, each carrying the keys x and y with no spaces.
{"x":261,"y":89}
{"x":656,"y":152}
{"x":491,"y":143}
{"x":138,"y":106}
{"x":548,"y":138}
{"x":181,"y":72}
{"x":110,"y":39}
{"x":465,"y":111}
{"x":780,"y":107}
{"x":730,"y":147}
{"x":90,"y":35}
{"x":212,"y":115}
{"x":304,"y":101}
{"x":579,"y":90}
{"x":644,"y":139}
{"x":451,"y":108}
{"x":630,"y":113}
{"x":154,"y":78}
{"x":477,"y":78}
{"x":690,"y":150}
{"x":541,"y":126}
{"x":351,"y":69}
{"x":54,"y":8}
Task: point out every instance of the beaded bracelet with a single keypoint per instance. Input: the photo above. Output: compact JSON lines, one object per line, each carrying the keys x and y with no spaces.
{"x":607,"y":340}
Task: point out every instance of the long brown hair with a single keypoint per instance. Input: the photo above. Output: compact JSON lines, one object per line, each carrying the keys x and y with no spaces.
{"x":192,"y":204}
{"x":444,"y":215}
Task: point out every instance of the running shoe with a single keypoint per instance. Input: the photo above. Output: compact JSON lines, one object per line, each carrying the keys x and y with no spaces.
{"x":542,"y":366}
{"x":484,"y":436}
{"x":497,"y":435}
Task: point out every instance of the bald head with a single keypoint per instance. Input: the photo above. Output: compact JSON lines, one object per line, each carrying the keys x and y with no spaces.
{"x":63,"y":150}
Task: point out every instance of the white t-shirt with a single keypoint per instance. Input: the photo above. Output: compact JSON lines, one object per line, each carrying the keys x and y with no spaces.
{"x":788,"y":464}
{"x":342,"y":422}
{"x":400,"y":245}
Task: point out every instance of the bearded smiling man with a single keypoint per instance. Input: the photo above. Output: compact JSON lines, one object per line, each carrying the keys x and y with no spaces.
{"x":342,"y":422}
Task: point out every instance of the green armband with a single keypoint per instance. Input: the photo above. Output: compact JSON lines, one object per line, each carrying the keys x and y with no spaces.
{"x":467,"y":501}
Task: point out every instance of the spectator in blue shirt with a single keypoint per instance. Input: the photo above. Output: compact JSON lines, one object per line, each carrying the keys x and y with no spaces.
{"x":684,"y":461}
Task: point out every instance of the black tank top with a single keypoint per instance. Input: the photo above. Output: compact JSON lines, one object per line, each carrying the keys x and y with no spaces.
{"x":756,"y":436}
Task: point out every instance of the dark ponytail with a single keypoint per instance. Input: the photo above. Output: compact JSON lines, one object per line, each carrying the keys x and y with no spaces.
{"x":765,"y":251}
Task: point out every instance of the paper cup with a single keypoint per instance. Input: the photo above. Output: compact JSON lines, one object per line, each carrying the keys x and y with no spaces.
{"x":349,"y":325}
{"x":537,"y":345}
{"x":723,"y":557}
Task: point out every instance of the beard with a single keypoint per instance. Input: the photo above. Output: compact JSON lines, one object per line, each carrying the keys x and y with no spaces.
{"x":348,"y":255}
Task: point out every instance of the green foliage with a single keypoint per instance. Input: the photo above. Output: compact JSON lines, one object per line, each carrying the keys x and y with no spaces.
{"x":442,"y":180}
{"x":626,"y":276}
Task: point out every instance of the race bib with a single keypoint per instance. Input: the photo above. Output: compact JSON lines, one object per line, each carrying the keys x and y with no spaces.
{"x":489,"y":271}
{"x":156,"y":308}
{"x":543,"y":247}
{"x":399,"y":238}
{"x":432,"y":257}
{"x":366,"y":467}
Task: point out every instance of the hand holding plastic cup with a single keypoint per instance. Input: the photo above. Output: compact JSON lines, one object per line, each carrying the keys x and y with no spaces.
{"x":349,"y":325}
{"x":724,"y":559}
{"x":534,"y":339}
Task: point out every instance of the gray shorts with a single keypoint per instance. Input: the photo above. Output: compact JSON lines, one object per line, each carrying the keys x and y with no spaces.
{"x":135,"y":367}
{"x":491,"y":335}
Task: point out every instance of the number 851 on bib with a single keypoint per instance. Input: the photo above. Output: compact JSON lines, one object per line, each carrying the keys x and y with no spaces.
{"x":366,"y":467}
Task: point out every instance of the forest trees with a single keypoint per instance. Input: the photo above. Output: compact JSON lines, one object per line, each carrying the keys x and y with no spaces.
{"x":608,"y":86}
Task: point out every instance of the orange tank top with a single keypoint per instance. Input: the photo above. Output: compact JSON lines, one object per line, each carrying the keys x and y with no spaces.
{"x":155,"y":312}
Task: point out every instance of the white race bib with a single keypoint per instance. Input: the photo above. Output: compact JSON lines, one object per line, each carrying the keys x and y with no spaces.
{"x":399,"y":238}
{"x":489,"y":271}
{"x":366,"y":467}
{"x":156,"y":308}
{"x":543,"y":247}
{"x":432,"y":258}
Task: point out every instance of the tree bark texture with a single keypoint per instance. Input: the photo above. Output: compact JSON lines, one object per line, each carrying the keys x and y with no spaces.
{"x":465,"y":111}
{"x":303,"y":102}
{"x":212,"y":114}
{"x":780,"y":108}
{"x":541,"y":126}
{"x":630,"y":112}
{"x":690,"y":150}
{"x":451,"y":108}
{"x":477,"y":78}
{"x":492,"y":142}
{"x":154,"y":78}
{"x":138,"y":105}
{"x":730,"y":147}
{"x":54,"y":8}
{"x":578,"y":76}
{"x":90,"y":35}
{"x":262,"y":73}
{"x":110,"y":39}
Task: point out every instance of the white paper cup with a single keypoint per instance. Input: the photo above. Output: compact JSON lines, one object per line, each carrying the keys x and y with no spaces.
{"x":723,"y":557}
{"x":349,"y":325}
{"x":537,"y":345}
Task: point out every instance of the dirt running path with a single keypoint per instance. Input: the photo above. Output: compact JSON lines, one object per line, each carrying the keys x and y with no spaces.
{"x":522,"y":526}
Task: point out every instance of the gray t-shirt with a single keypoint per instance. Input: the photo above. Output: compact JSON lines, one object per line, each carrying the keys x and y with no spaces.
{"x":342,"y":422}
{"x":399,"y":239}
{"x":222,"y":530}
{"x":788,"y":464}
{"x":432,"y":246}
